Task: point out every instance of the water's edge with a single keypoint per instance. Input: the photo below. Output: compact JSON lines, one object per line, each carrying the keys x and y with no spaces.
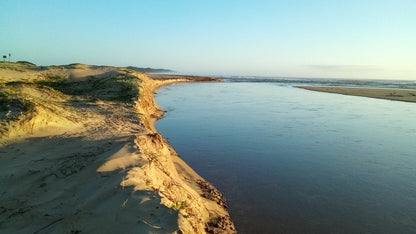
{"x":202,"y":207}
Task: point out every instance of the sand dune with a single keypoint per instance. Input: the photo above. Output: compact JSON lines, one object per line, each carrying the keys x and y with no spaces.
{"x":79,"y":153}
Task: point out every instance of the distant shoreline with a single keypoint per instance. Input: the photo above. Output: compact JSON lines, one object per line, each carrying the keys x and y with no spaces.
{"x":184,"y":77}
{"x":395,"y":94}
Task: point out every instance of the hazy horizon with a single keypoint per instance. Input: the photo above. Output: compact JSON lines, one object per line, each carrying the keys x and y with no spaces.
{"x":325,"y":39}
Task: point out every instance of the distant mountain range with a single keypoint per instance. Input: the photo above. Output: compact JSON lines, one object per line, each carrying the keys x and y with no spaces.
{"x":149,"y":70}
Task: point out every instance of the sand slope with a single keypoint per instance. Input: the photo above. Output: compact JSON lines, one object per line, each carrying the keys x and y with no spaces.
{"x":85,"y":157}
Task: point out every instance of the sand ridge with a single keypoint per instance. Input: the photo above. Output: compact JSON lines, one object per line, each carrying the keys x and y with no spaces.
{"x":96,"y":165}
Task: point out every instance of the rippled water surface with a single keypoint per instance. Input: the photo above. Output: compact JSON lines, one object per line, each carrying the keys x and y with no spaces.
{"x":295,"y":161}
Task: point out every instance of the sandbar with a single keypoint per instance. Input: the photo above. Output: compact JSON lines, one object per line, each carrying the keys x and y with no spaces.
{"x":405,"y":95}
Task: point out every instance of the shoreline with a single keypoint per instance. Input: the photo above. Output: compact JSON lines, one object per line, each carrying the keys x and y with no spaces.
{"x":79,"y":153}
{"x":394,"y":94}
{"x":213,"y":216}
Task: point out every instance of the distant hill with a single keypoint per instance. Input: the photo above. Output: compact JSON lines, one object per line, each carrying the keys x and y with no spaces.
{"x":149,"y":70}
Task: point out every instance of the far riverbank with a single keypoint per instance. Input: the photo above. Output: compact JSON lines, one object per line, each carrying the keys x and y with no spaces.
{"x":405,"y":95}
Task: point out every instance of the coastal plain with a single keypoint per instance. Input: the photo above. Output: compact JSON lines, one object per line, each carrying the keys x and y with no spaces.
{"x":79,"y":153}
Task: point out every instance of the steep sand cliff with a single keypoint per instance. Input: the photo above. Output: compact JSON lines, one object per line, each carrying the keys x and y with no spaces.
{"x":201,"y":206}
{"x":79,"y":153}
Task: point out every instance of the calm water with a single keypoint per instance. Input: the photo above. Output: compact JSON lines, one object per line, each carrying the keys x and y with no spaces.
{"x":295,"y":161}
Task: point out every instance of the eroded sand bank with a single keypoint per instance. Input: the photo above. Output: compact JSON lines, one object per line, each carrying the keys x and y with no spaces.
{"x":79,"y":153}
{"x":406,"y":95}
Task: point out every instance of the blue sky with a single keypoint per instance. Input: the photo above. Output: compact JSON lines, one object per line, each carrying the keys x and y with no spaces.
{"x":297,"y":38}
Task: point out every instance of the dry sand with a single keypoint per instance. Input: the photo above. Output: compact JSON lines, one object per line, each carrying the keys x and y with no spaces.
{"x":406,"y":95}
{"x":84,"y":159}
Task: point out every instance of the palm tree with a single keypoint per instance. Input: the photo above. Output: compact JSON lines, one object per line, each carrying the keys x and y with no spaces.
{"x":10,"y":55}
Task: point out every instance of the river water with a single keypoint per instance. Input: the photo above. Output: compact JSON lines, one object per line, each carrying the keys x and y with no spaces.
{"x":290,"y":160}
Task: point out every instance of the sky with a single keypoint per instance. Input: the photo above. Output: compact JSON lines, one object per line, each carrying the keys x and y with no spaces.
{"x":294,"y":38}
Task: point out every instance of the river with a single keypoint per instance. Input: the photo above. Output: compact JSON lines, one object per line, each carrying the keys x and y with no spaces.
{"x":290,"y":160}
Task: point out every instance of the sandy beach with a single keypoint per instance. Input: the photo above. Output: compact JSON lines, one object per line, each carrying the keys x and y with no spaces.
{"x":406,"y":95}
{"x":79,"y":153}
